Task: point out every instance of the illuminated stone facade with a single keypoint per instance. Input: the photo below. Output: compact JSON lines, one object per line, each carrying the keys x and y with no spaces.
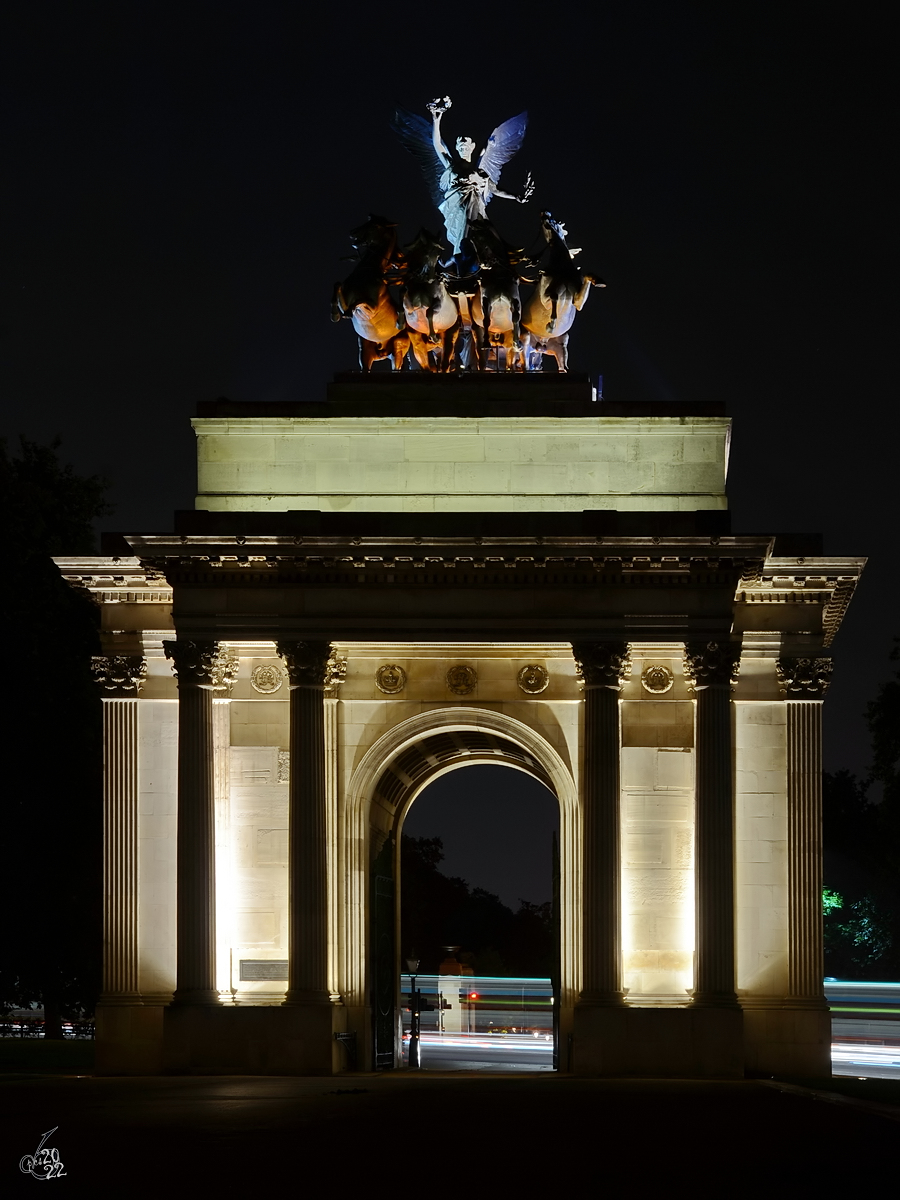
{"x":409,"y":578}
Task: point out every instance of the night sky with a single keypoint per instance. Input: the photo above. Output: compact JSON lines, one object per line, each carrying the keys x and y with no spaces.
{"x":179,"y":182}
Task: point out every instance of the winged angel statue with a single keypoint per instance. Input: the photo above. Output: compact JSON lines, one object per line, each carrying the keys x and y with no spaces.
{"x":465,"y":311}
{"x":460,"y":188}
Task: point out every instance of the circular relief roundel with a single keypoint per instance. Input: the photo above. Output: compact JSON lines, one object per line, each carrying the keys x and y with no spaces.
{"x":657,"y":680}
{"x":533,"y":679}
{"x":390,"y":679}
{"x":267,"y":677}
{"x":461,"y":680}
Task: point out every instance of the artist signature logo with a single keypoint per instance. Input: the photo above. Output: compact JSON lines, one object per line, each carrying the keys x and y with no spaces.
{"x":45,"y":1162}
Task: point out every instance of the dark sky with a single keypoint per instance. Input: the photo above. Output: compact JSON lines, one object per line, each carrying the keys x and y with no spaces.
{"x":179,"y":181}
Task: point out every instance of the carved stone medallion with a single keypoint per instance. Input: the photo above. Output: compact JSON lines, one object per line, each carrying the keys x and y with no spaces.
{"x":657,"y":680}
{"x":533,"y":679}
{"x":390,"y":679}
{"x":267,"y":677}
{"x":461,"y":680}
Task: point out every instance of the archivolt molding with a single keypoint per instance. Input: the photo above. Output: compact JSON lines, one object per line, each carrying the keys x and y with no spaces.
{"x":360,"y":797}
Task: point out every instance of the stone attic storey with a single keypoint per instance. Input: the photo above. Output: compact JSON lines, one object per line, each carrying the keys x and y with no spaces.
{"x":421,"y":572}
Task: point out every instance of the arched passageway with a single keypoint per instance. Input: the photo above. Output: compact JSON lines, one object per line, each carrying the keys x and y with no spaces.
{"x":479,"y":911}
{"x":386,"y":783}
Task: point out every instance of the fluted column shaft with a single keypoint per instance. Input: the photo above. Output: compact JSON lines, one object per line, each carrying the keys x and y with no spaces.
{"x":714,"y":839}
{"x":306,"y":663}
{"x":120,"y":851}
{"x":201,"y":668}
{"x":711,"y":669}
{"x":602,"y":666}
{"x":804,"y":763}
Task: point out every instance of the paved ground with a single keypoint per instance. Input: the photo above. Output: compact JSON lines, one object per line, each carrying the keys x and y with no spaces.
{"x":409,"y":1132}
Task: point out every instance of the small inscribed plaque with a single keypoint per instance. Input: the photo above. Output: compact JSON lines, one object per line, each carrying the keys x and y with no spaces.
{"x":256,"y":970}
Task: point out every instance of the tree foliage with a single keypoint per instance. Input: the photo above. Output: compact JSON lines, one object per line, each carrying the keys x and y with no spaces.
{"x":439,"y":910}
{"x":50,"y":951}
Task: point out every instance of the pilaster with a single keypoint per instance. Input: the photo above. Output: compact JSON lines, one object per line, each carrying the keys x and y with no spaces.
{"x":120,"y":678}
{"x":805,"y":682}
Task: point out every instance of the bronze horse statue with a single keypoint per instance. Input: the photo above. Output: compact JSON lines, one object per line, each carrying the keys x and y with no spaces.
{"x":496,"y":307}
{"x":561,"y":292}
{"x":432,"y":316}
{"x":364,"y":296}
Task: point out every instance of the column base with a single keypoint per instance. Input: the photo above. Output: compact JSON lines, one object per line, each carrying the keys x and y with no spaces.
{"x":253,"y":1040}
{"x":194,"y":996}
{"x":601,"y":999}
{"x":714,"y":1000}
{"x":658,"y":1042}
{"x":306,"y":996}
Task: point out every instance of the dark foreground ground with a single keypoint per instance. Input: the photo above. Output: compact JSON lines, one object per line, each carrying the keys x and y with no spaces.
{"x":410,"y":1132}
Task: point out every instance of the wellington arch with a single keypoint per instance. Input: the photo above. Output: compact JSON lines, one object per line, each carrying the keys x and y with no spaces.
{"x":420,"y":572}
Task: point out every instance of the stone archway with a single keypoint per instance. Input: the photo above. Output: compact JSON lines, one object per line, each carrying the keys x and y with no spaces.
{"x":386,"y":782}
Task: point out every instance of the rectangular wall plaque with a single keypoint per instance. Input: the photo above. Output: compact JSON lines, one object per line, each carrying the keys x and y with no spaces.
{"x":253,"y":970}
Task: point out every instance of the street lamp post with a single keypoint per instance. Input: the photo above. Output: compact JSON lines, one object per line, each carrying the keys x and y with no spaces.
{"x":412,"y":965}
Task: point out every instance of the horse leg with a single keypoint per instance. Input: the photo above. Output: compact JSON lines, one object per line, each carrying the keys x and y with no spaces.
{"x":399,"y":349}
{"x":559,"y":347}
{"x":337,"y":307}
{"x":420,"y":349}
{"x":368,"y":352}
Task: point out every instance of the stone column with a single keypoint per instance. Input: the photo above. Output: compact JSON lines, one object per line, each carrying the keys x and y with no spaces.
{"x":805,"y":682}
{"x":201,"y":669}
{"x":604,"y":666}
{"x":711,"y":668}
{"x":120,"y":678}
{"x":309,"y":673}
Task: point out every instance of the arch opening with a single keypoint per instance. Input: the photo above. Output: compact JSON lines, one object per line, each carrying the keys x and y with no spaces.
{"x":478,"y":885}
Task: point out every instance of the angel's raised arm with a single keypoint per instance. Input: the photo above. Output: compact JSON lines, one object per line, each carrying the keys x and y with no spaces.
{"x":437,"y":108}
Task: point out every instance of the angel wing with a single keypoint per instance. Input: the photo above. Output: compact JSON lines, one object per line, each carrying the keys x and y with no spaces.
{"x":415,"y":134}
{"x":503,"y":143}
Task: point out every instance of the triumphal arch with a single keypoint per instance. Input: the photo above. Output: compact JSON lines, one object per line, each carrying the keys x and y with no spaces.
{"x":423,"y":571}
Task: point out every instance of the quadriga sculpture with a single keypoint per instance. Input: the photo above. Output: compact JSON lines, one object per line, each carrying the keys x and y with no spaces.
{"x":432,"y":316}
{"x":496,"y":307}
{"x":561,"y":291}
{"x":364,"y":296}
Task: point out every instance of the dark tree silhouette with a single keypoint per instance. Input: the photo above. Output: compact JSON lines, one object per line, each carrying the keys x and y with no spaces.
{"x":50,"y":951}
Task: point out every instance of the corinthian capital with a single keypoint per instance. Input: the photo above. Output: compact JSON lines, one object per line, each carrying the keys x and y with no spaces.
{"x":602,"y":664}
{"x":202,"y":664}
{"x":804,"y":678}
{"x":711,"y":664}
{"x":119,"y":675}
{"x":309,"y":664}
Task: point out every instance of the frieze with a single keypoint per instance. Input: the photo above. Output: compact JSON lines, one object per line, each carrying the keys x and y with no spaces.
{"x":711,"y":664}
{"x":804,"y":678}
{"x":202,"y":664}
{"x":602,"y":664}
{"x":462,"y":680}
{"x":119,"y":675}
{"x":390,"y":679}
{"x":533,"y":679}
